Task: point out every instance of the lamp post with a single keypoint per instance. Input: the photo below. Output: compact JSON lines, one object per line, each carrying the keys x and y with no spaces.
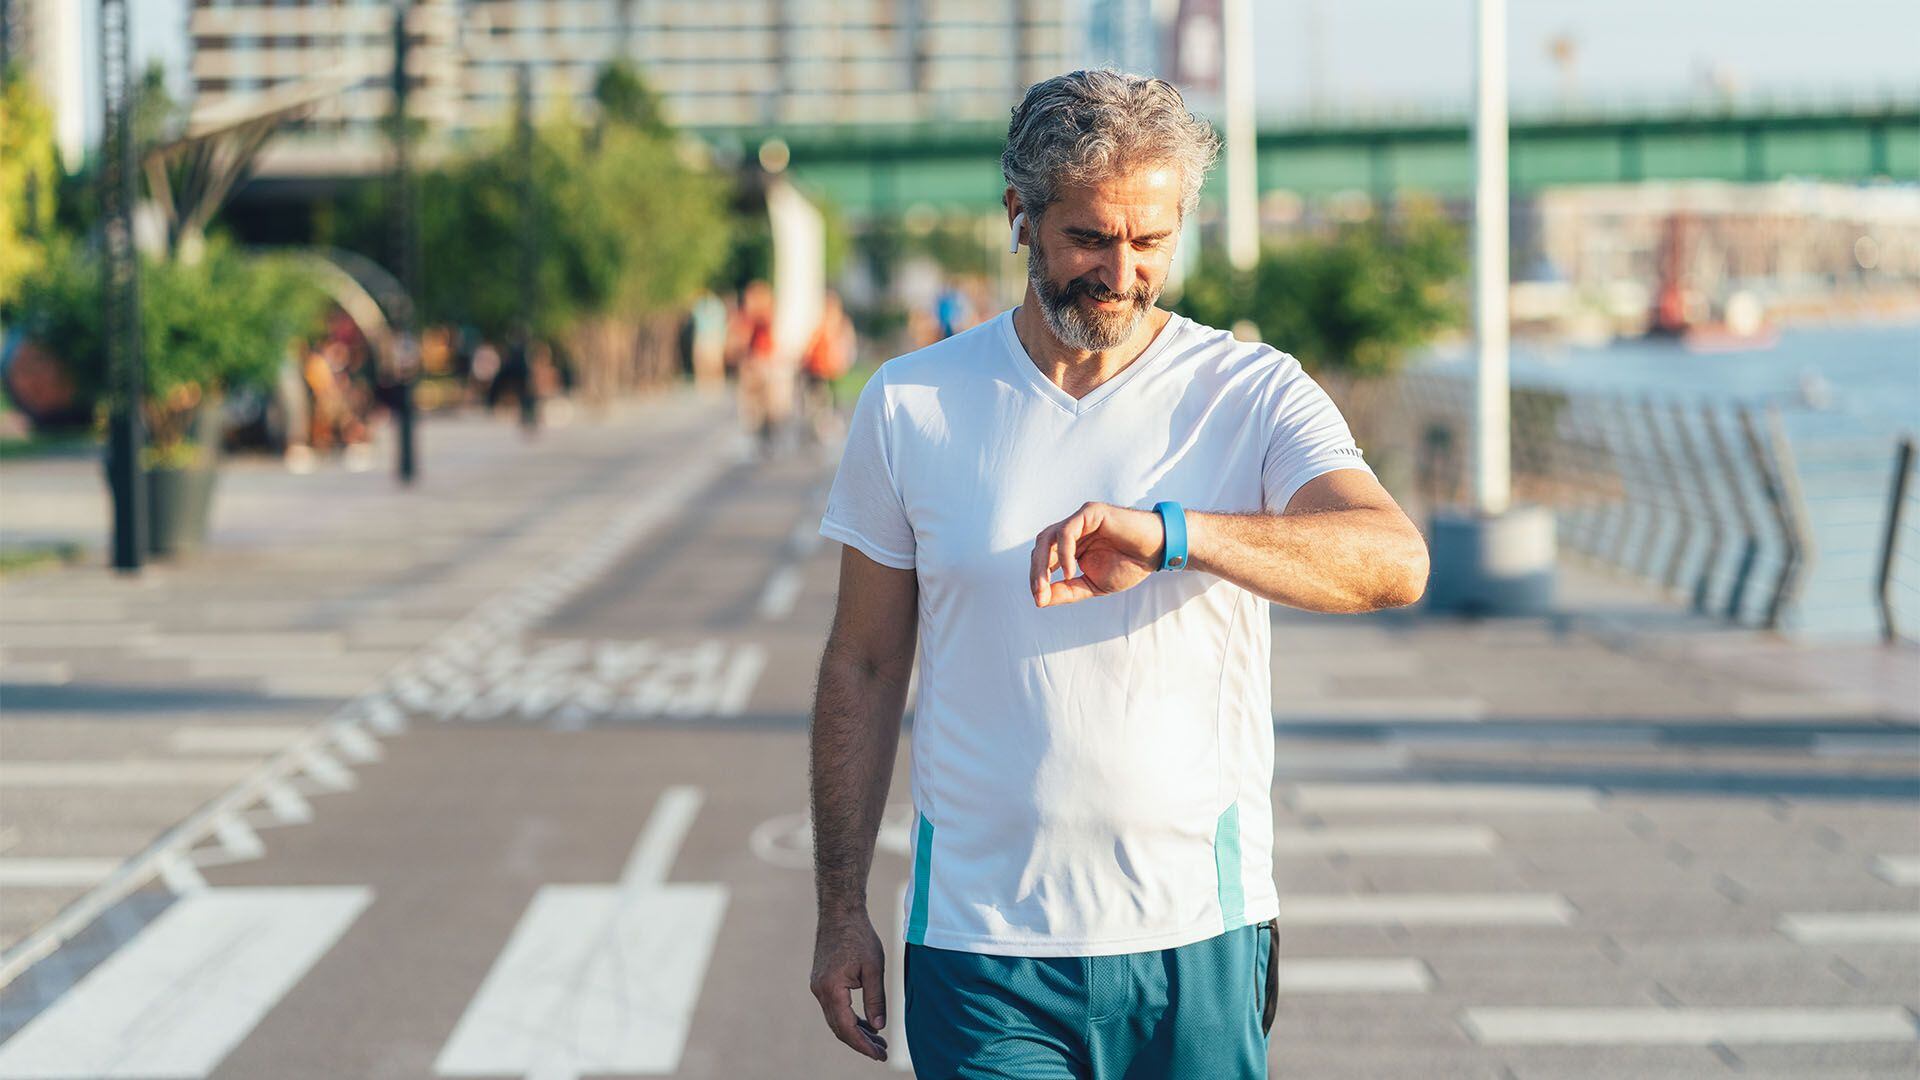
{"x":1236,"y":88}
{"x":403,"y":360}
{"x":120,"y":294}
{"x":1491,"y":557}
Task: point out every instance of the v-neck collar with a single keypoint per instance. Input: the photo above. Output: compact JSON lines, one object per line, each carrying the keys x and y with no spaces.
{"x":1017,"y":355}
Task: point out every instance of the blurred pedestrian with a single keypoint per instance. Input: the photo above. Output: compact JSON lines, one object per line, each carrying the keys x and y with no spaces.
{"x":828,"y":356}
{"x":766,"y":378}
{"x":708,"y":344}
{"x":516,"y":378}
{"x":952,"y":310}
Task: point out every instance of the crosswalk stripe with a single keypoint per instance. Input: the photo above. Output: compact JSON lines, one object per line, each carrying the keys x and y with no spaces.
{"x":598,"y":978}
{"x":1427,"y":909}
{"x":1371,"y":975}
{"x":179,"y":997}
{"x":1397,"y":798}
{"x":1401,"y":840}
{"x":1898,"y":869}
{"x":127,"y":772}
{"x":54,"y":873}
{"x":1652,"y":1026}
{"x":1852,"y":927}
{"x":217,"y":739}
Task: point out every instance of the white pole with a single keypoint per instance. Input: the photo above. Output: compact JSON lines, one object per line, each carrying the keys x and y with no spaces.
{"x":1236,"y":83}
{"x":1492,"y":480}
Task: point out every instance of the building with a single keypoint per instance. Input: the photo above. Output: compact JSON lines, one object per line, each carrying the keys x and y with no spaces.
{"x":242,"y":48}
{"x":717,"y":64}
{"x":44,"y":38}
{"x":731,"y":63}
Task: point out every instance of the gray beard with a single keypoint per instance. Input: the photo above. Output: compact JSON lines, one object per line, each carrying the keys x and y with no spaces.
{"x":1076,"y":328}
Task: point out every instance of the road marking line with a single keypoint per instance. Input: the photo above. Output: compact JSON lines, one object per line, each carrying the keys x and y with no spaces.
{"x":22,"y":873}
{"x":212,"y":739}
{"x":1381,"y":710}
{"x":598,"y":978}
{"x":1388,"y":840}
{"x":127,"y":772}
{"x":665,"y":831}
{"x":1386,"y":975}
{"x":178,"y":998}
{"x":781,"y":592}
{"x":1293,"y":760}
{"x":288,"y":805}
{"x":737,"y":685}
{"x":327,"y":771}
{"x":238,"y":838}
{"x":356,"y":744}
{"x":1852,"y":927}
{"x":1898,"y":869}
{"x":181,"y":877}
{"x":1396,"y":798}
{"x":1427,"y":909}
{"x":1652,"y":1026}
{"x":36,"y":672}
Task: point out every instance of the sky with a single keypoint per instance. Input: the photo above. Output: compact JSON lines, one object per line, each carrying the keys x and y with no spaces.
{"x":1386,"y":54}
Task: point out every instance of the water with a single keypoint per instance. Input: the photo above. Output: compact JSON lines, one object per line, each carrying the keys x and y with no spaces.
{"x":1845,"y":395}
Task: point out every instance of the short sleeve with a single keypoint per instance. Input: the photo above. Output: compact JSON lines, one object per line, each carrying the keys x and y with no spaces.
{"x":1309,"y":437}
{"x":864,"y":507}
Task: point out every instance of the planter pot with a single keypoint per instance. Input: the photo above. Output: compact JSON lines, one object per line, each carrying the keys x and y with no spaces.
{"x":179,"y":507}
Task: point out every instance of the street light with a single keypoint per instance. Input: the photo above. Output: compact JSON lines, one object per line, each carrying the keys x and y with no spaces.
{"x":120,"y":294}
{"x":1491,"y":557}
{"x":404,"y":353}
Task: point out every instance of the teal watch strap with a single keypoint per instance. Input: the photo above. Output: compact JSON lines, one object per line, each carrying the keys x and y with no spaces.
{"x":1174,"y":518}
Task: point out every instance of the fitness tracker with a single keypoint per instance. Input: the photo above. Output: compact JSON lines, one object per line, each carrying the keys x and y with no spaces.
{"x":1175,"y":521}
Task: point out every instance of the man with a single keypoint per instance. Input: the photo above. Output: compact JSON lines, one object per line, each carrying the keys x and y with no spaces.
{"x":1091,"y":891}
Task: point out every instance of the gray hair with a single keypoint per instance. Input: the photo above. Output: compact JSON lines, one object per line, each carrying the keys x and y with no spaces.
{"x":1086,"y":126}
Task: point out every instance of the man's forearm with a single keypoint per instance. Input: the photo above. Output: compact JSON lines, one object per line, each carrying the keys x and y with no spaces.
{"x":855,"y":733}
{"x":1332,"y":561}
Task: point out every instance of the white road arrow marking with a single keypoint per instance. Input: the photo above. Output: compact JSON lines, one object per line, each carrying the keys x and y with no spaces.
{"x":598,"y":978}
{"x":178,"y":998}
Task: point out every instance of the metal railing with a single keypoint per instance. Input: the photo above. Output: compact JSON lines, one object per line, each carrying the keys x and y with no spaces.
{"x":1709,"y":501}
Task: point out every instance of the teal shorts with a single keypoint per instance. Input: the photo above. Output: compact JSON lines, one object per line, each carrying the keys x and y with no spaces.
{"x":1198,"y":1010}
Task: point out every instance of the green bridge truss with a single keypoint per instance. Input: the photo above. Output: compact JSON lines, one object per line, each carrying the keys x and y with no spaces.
{"x":956,"y":167}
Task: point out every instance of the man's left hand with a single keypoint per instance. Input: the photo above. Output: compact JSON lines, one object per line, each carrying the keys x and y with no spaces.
{"x":1102,"y":548}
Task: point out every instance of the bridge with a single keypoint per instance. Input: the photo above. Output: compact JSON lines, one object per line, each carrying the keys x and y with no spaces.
{"x":884,"y":170}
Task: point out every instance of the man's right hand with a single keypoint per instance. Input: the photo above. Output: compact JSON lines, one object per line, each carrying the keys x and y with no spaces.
{"x":847,"y":956}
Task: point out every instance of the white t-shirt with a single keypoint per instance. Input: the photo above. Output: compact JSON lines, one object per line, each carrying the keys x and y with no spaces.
{"x":1093,"y":778}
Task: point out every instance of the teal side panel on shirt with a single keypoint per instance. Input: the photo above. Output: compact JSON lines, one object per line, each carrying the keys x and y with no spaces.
{"x":1226,"y":864}
{"x":922,"y":865}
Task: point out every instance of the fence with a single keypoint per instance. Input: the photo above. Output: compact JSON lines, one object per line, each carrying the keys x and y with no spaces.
{"x":1759,"y":516}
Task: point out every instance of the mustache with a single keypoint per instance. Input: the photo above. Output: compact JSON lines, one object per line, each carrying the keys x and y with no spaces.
{"x":1096,"y":291}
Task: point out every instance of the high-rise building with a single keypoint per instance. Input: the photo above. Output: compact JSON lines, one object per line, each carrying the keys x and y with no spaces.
{"x":242,"y":48}
{"x":43,"y":38}
{"x":722,"y":63}
{"x":716,"y":64}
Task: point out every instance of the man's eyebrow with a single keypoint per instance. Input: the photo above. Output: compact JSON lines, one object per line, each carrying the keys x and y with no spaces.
{"x":1079,"y":233}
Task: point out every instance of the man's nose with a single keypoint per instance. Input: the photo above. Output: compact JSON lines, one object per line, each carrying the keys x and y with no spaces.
{"x":1120,"y":268}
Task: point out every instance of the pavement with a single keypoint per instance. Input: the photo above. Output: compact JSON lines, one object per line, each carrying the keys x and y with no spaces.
{"x":506,"y":776}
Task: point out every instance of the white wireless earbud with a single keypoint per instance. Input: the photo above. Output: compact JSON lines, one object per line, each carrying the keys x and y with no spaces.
{"x":1013,"y":243}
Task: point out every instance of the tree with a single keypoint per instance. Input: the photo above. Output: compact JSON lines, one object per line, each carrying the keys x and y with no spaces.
{"x":29,"y":178}
{"x":1354,"y":302}
{"x":627,"y":224}
{"x":209,"y":327}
